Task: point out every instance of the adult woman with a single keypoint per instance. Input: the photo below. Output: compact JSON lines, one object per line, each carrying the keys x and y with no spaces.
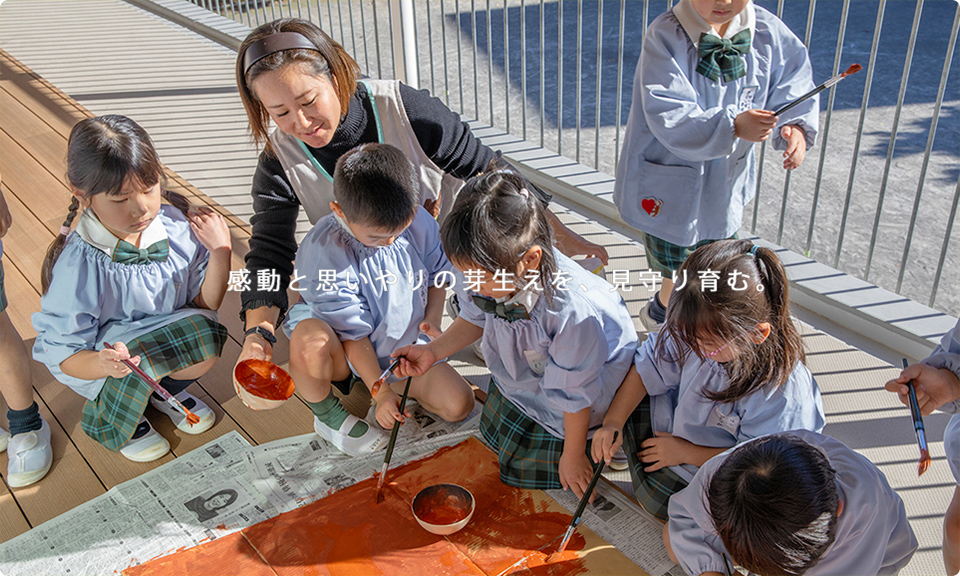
{"x":290,"y":72}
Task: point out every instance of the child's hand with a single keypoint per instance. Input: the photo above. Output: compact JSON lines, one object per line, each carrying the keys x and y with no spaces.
{"x":604,"y":446}
{"x":415,"y":362}
{"x":575,"y":473}
{"x":663,"y":450}
{"x":6,"y":219}
{"x":110,"y":360}
{"x":796,"y":146}
{"x":388,"y":408}
{"x":430,"y":329}
{"x":934,"y":387}
{"x":210,"y":228}
{"x":754,"y":125}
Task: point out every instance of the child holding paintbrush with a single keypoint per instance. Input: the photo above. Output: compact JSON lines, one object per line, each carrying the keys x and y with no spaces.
{"x":144,"y":277}
{"x":709,"y":74}
{"x":371,"y":269}
{"x":936,"y":381}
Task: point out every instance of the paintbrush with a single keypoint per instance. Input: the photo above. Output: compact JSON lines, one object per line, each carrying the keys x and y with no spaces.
{"x":918,"y":427}
{"x":383,"y":377}
{"x":393,"y":440}
{"x":853,"y":69}
{"x":581,"y":507}
{"x":160,"y":390}
{"x":727,"y":568}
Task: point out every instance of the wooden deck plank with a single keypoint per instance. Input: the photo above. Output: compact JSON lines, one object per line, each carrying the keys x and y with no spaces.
{"x":25,"y":177}
{"x":14,"y":522}
{"x":25,"y":245}
{"x":25,"y":85}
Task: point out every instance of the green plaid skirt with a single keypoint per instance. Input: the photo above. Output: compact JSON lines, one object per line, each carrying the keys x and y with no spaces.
{"x":653,"y":489}
{"x":529,"y":456}
{"x":112,"y":418}
{"x":665,"y":257}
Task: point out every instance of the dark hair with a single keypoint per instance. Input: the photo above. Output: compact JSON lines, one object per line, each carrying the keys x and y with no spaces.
{"x":376,"y":185}
{"x":495,"y":219}
{"x":329,"y":61}
{"x":103,"y":153}
{"x":774,"y":504}
{"x":732,"y":313}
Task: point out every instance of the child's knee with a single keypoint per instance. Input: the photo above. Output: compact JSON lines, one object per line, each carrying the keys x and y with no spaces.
{"x":666,"y":543}
{"x":310,"y":342}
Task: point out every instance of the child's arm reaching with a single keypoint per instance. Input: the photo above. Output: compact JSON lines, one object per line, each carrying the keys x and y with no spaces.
{"x":211,"y":229}
{"x":419,"y":358}
{"x":665,"y":450}
{"x":575,"y":470}
{"x":433,"y":315}
{"x":628,"y":397}
{"x":363,"y":358}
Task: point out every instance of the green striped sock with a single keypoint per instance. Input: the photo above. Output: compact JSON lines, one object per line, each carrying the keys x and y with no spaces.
{"x":332,"y":413}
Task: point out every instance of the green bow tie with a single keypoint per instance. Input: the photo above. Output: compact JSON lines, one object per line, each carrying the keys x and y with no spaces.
{"x":722,"y":56}
{"x":509,"y":312}
{"x":127,"y":253}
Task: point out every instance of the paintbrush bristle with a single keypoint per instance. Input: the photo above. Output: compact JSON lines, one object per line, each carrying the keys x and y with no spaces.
{"x":192,"y":418}
{"x":924,"y":462}
{"x":853,"y":69}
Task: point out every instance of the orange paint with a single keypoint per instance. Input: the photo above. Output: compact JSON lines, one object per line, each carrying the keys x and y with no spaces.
{"x":264,"y":379}
{"x":346,"y":534}
{"x":441,"y":508}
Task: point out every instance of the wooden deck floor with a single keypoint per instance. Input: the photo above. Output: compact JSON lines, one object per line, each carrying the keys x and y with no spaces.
{"x":35,"y":121}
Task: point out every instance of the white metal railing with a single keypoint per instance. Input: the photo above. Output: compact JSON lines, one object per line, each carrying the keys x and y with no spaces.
{"x":502,"y":61}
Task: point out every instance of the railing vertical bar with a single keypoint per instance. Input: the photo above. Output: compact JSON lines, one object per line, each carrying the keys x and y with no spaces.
{"x":596,"y":140}
{"x":376,"y":38}
{"x":343,"y":36}
{"x":416,"y":43}
{"x":310,"y":18}
{"x":353,"y":29}
{"x":783,"y":206}
{"x":523,"y":67}
{"x":273,"y":14}
{"x":463,"y":106}
{"x":330,"y":18}
{"x":476,"y":64}
{"x":543,"y":113}
{"x":446,"y":66}
{"x":893,"y":137}
{"x":433,"y":80}
{"x":947,"y":61}
{"x":256,"y":13}
{"x":616,"y":132}
{"x":826,"y":127}
{"x":490,"y":59}
{"x":279,"y":8}
{"x":579,"y":68}
{"x":867,"y":85}
{"x":366,"y":34}
{"x":560,"y":78}
{"x":249,"y":22}
{"x":393,"y":53}
{"x":299,"y":10}
{"x":946,"y":242}
{"x":756,"y":192}
{"x":506,"y":63}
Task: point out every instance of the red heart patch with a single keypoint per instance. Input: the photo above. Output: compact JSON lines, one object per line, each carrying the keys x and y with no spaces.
{"x":651,"y":206}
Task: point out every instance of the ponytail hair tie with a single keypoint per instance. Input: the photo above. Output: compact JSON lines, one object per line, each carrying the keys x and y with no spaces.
{"x":64,"y":230}
{"x":753,"y":250}
{"x":524,"y":192}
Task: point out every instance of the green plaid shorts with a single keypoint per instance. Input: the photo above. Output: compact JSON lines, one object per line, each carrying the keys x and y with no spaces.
{"x":665,"y":257}
{"x":529,"y":455}
{"x":3,"y":293}
{"x":653,"y":489}
{"x":112,"y":418}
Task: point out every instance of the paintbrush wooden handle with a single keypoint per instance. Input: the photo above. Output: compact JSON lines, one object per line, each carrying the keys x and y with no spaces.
{"x":396,"y":425}
{"x":143,"y":376}
{"x":593,"y":483}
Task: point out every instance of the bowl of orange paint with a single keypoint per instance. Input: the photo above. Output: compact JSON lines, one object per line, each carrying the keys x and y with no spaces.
{"x":443,"y":508}
{"x":262,"y":385}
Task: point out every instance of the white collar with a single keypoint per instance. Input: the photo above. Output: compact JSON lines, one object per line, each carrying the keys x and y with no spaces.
{"x":694,"y":24}
{"x":346,"y":228}
{"x":526,"y":298}
{"x":94,"y":233}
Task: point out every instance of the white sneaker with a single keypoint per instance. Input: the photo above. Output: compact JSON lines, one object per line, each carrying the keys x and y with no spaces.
{"x":146,"y":445}
{"x":191,"y":403}
{"x":648,"y":322}
{"x":30,"y":457}
{"x":374,"y":439}
{"x":619,"y":460}
{"x":4,"y":438}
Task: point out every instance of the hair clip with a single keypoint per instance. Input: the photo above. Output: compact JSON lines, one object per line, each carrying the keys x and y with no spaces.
{"x":64,"y":230}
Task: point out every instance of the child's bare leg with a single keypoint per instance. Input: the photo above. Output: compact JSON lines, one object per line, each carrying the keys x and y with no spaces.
{"x":316,"y":359}
{"x":666,"y":287}
{"x":195,"y":371}
{"x":442,"y":391}
{"x":17,"y":382}
{"x":951,"y":535}
{"x":666,"y":543}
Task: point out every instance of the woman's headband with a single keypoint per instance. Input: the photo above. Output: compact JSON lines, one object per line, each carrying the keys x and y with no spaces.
{"x":274,"y":43}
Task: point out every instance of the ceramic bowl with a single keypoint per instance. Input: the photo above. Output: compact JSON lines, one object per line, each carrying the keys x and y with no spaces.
{"x":262,"y":385}
{"x":443,"y":508}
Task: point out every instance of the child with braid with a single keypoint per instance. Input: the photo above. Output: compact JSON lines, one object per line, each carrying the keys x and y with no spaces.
{"x":144,"y":277}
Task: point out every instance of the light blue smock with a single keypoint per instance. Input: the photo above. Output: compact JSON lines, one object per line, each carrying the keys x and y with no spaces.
{"x":571,"y":354}
{"x":679,"y":147}
{"x":92,"y":299}
{"x":379,"y":293}
{"x":873,"y":535}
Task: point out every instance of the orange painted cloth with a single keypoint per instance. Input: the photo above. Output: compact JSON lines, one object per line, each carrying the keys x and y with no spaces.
{"x":347,"y":534}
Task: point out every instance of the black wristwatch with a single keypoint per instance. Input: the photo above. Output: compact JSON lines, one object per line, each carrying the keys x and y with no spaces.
{"x":263,"y":332}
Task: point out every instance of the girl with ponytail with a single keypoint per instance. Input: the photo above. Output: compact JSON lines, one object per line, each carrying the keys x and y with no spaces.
{"x":144,"y":277}
{"x":727,"y":367}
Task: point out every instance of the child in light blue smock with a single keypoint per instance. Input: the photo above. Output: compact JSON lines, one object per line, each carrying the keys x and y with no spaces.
{"x":794,"y":502}
{"x":709,"y":76}
{"x":557,"y":339}
{"x":727,"y":367}
{"x":144,"y":277}
{"x":370,"y":281}
{"x":936,"y":380}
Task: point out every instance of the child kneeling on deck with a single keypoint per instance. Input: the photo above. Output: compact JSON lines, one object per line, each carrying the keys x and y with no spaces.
{"x":368,"y":275}
{"x":789,"y":503}
{"x":727,"y":367}
{"x":144,"y":277}
{"x":558,"y":340}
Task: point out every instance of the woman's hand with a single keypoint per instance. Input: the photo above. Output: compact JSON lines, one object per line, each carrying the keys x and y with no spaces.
{"x":796,"y":146}
{"x":210,"y":228}
{"x":604,"y":444}
{"x":110,"y":361}
{"x":664,"y":450}
{"x":255,"y":347}
{"x":576,"y":473}
{"x":416,"y":360}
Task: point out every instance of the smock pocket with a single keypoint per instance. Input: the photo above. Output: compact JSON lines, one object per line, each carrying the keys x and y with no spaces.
{"x":670,"y":200}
